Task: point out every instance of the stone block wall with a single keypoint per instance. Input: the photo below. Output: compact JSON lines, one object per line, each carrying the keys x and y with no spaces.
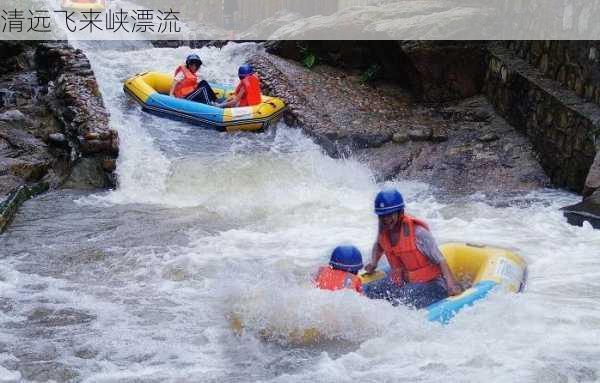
{"x":562,"y":126}
{"x":574,"y":64}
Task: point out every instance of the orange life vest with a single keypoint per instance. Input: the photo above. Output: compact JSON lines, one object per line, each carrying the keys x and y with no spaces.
{"x":332,"y":279}
{"x":251,"y":85}
{"x":188,"y":84}
{"x":405,"y":254}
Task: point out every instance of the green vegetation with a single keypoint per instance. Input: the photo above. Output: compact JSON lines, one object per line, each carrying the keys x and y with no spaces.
{"x":371,"y":73}
{"x":309,"y":60}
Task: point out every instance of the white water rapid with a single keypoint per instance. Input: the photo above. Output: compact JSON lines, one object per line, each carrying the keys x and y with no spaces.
{"x":137,"y":284}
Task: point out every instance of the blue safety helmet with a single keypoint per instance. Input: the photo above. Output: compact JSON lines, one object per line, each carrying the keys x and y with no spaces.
{"x":193,"y":59}
{"x":346,"y":258}
{"x":389,"y":201}
{"x":245,"y":70}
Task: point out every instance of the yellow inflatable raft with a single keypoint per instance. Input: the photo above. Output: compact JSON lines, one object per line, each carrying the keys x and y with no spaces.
{"x":151,"y":90}
{"x":481,"y":269}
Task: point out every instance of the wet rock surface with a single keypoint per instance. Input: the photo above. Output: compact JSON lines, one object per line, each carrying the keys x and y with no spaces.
{"x":47,"y":372}
{"x":47,"y":317}
{"x":592,"y":182}
{"x":79,"y":107}
{"x":586,"y":211}
{"x":443,"y":71}
{"x":52,"y":120}
{"x":437,"y":71}
{"x":451,"y":146}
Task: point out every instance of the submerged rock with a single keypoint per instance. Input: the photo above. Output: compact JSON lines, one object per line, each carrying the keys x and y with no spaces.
{"x":43,"y":316}
{"x":47,"y":371}
{"x":86,"y":352}
{"x":87,"y":173}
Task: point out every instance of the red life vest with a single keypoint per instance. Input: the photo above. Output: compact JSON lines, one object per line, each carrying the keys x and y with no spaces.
{"x":251,"y":85}
{"x":332,"y":279}
{"x":188,"y":84}
{"x":405,"y":254}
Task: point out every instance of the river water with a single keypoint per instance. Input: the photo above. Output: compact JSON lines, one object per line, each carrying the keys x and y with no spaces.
{"x":138,"y":284}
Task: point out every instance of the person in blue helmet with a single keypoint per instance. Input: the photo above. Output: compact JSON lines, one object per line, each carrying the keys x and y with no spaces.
{"x":419,"y":274}
{"x":187,"y":83}
{"x":247,"y":93}
{"x":342,"y":273}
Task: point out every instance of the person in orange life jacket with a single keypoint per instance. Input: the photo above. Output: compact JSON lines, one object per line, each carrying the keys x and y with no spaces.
{"x":419,"y":273}
{"x":187,"y":84}
{"x":247,"y":92}
{"x":344,"y":265}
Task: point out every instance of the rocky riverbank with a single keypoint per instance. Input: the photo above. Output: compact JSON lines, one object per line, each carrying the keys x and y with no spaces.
{"x":459,"y":147}
{"x":54,"y":129}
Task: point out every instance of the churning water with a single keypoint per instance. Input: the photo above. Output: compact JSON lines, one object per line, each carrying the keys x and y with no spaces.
{"x":138,"y":284}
